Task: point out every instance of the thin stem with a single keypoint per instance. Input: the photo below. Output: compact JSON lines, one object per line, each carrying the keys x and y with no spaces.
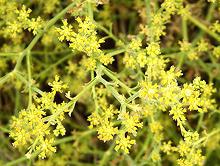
{"x":185,"y":29}
{"x":94,"y":92}
{"x":209,"y":17}
{"x":6,"y":54}
{"x":107,"y":155}
{"x":116,"y":52}
{"x":5,"y":78}
{"x":22,"y":79}
{"x":29,"y":78}
{"x":117,"y":81}
{"x":5,"y":130}
{"x":185,"y":38}
{"x":114,"y":92}
{"x":204,"y":28}
{"x":90,"y":11}
{"x":37,"y":37}
{"x":91,"y":84}
{"x":201,"y":116}
{"x":120,"y":98}
{"x":144,"y":147}
{"x":133,"y":97}
{"x":110,"y":34}
{"x":205,"y":137}
{"x":55,"y":64}
{"x":148,"y":12}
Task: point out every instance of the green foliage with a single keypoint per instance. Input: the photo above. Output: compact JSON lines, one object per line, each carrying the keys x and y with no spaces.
{"x":140,"y":82}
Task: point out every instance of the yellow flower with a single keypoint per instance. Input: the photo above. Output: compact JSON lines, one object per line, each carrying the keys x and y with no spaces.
{"x":65,"y":31}
{"x":57,"y":85}
{"x":106,"y":131}
{"x":155,"y":156}
{"x":124,"y":143}
{"x":141,"y":58}
{"x":149,"y":91}
{"x":46,"y":148}
{"x":156,"y":127}
{"x":89,"y":63}
{"x":185,"y":46}
{"x":23,"y":14}
{"x":153,"y":49}
{"x":216,"y":52}
{"x":131,"y":122}
{"x":203,"y":46}
{"x":178,"y":114}
{"x":129,"y":61}
{"x":35,"y":24}
{"x":106,"y":59}
{"x":167,"y":148}
{"x":60,"y":130}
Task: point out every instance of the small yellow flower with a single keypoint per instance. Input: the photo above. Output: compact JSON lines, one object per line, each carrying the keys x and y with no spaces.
{"x":106,"y":131}
{"x":106,"y":59}
{"x":124,"y":143}
{"x":57,"y":85}
{"x":216,"y":52}
{"x":153,"y":49}
{"x":65,"y":31}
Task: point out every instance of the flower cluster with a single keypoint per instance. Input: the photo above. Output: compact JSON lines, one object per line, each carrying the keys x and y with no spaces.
{"x":189,"y":150}
{"x":215,"y":27}
{"x":194,"y":52}
{"x":15,"y":27}
{"x":167,"y":94}
{"x":216,"y":52}
{"x":134,"y":54}
{"x":32,"y":127}
{"x":105,"y":123}
{"x":157,"y":27}
{"x":142,"y":89}
{"x":85,"y":40}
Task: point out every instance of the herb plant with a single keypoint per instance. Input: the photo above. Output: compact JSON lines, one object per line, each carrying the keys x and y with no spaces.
{"x":98,"y":82}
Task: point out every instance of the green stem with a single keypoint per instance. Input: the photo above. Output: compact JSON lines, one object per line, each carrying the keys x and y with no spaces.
{"x":90,"y":11}
{"x":120,"y":98}
{"x":182,"y":59}
{"x":148,"y":12}
{"x":185,"y":38}
{"x":133,"y":97}
{"x":114,"y":92}
{"x":117,"y":81}
{"x":204,"y":28}
{"x":116,"y":52}
{"x":6,"y":54}
{"x":91,"y":84}
{"x":209,"y":17}
{"x":5,"y":78}
{"x":29,"y":78}
{"x":22,"y":79}
{"x":144,"y":147}
{"x":110,"y":34}
{"x":37,"y":37}
{"x":55,"y":64}
{"x":184,"y":29}
{"x":206,"y":137}
{"x":201,"y":116}
{"x":107,"y":155}
{"x":5,"y":130}
{"x":94,"y":92}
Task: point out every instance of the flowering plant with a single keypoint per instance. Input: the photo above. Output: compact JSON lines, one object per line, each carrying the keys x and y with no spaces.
{"x":109,"y":82}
